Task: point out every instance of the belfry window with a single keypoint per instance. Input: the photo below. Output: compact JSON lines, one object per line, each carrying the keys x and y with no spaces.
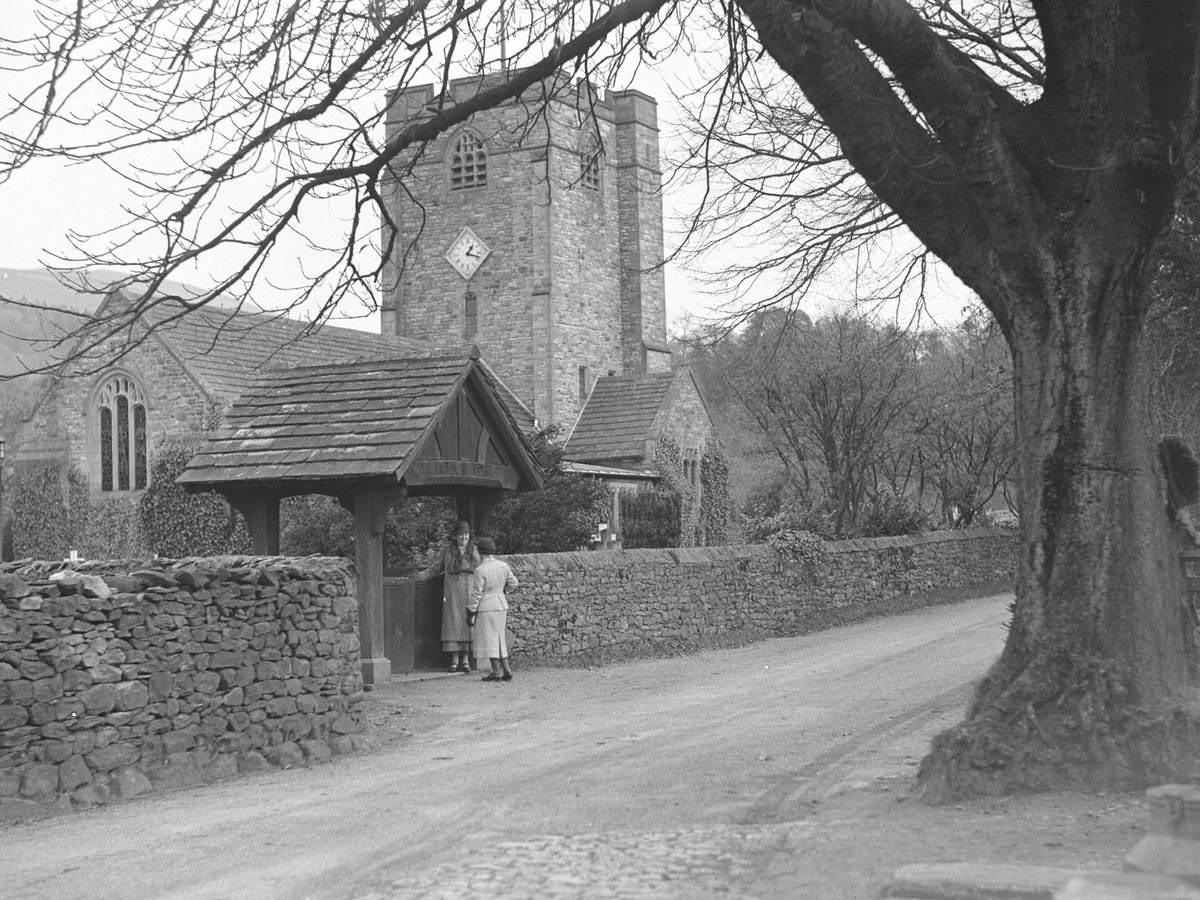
{"x":589,"y":162}
{"x":120,"y":413}
{"x":468,"y":162}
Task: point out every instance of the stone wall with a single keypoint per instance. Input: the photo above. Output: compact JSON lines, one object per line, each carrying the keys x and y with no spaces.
{"x":118,"y":678}
{"x":585,"y":607}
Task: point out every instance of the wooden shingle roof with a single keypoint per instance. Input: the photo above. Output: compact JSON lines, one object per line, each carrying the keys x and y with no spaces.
{"x":344,"y":422}
{"x":618,"y":417}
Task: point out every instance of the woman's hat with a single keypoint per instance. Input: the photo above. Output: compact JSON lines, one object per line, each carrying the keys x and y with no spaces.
{"x":462,"y":528}
{"x":485,"y":545}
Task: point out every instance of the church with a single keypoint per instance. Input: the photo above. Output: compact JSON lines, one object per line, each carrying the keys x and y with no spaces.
{"x":529,"y":245}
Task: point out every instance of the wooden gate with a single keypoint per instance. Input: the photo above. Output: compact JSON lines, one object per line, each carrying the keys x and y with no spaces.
{"x":412,"y":624}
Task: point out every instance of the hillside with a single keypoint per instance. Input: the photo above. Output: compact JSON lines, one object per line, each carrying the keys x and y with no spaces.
{"x":25,"y":334}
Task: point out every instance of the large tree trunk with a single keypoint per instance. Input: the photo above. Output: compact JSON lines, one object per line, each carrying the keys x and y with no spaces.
{"x":1095,"y":687}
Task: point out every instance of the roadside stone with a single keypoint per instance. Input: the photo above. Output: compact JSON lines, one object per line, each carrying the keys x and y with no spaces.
{"x":223,"y":766}
{"x":252,"y":761}
{"x":341,"y":744}
{"x":14,"y":810}
{"x":39,"y":781}
{"x":127,"y":782}
{"x":10,"y":784}
{"x":95,"y":794}
{"x":316,"y":750}
{"x":286,"y":755}
{"x":176,"y":771}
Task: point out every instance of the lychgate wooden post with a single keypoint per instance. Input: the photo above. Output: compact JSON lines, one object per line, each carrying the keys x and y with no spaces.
{"x":260,"y":509}
{"x":370,"y":506}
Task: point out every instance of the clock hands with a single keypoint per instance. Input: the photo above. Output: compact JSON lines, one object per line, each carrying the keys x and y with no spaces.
{"x":467,"y":253}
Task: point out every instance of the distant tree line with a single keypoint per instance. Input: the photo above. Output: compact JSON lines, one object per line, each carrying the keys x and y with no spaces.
{"x":855,"y":428}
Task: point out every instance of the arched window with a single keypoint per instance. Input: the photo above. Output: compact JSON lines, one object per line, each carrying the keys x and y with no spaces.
{"x":468,"y":162}
{"x":590,"y":152}
{"x":120,"y":414}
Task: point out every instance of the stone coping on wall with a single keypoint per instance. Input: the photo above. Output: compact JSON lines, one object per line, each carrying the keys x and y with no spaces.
{"x":577,"y":559}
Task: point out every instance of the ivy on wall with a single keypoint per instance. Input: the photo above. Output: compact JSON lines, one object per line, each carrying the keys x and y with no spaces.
{"x":49,"y":503}
{"x":715,"y":502}
{"x":704,"y":514}
{"x":668,"y":458}
{"x":175,"y":523}
{"x":54,"y":513}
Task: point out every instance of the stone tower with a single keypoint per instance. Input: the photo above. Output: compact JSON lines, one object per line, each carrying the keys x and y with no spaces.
{"x":532,"y":232}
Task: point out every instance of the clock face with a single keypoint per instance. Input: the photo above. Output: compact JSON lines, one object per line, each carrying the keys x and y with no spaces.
{"x":467,"y":253}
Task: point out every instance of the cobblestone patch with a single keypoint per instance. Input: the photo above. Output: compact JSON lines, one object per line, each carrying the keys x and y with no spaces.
{"x":695,"y":862}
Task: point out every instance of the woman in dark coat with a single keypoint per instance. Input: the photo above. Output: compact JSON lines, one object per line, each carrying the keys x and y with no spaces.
{"x":456,"y":563}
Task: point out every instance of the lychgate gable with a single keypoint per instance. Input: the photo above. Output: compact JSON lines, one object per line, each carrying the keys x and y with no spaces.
{"x":368,"y":433}
{"x":463,"y":449}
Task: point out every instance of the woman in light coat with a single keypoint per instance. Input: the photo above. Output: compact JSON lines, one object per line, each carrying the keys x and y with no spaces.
{"x":456,"y":564}
{"x":487,"y":610}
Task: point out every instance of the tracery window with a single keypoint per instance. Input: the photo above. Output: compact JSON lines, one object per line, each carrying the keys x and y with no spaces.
{"x":120,"y":411}
{"x":468,"y":162}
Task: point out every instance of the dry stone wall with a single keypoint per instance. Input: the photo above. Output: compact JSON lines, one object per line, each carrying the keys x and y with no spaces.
{"x":120,"y":678}
{"x":585,"y":607}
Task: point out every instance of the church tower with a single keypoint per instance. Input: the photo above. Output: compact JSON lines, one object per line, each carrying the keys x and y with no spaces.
{"x":533,"y":232}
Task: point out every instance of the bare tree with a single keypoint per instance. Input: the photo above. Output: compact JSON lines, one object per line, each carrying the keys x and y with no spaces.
{"x":1037,"y":150}
{"x":964,"y":429}
{"x":827,"y":397}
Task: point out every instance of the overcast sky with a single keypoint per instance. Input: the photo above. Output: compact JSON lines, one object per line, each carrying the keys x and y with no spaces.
{"x":42,"y":203}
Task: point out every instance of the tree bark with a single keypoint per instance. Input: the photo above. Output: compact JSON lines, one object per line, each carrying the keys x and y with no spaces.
{"x":1095,"y":687}
{"x":1049,"y":209}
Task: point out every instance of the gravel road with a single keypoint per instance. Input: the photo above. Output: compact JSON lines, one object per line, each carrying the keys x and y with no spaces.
{"x":613,"y":781}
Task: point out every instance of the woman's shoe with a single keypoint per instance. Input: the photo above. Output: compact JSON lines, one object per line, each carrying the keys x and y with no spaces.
{"x":490,"y":677}
{"x":465,"y":668}
{"x":454,"y":668}
{"x":507,"y":676}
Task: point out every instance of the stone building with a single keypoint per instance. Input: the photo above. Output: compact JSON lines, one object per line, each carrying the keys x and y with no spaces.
{"x":89,"y":447}
{"x":537,"y":237}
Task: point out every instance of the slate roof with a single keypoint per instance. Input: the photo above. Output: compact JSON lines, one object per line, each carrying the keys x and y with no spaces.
{"x":339,"y":422}
{"x":618,"y":417}
{"x":226,"y":351}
